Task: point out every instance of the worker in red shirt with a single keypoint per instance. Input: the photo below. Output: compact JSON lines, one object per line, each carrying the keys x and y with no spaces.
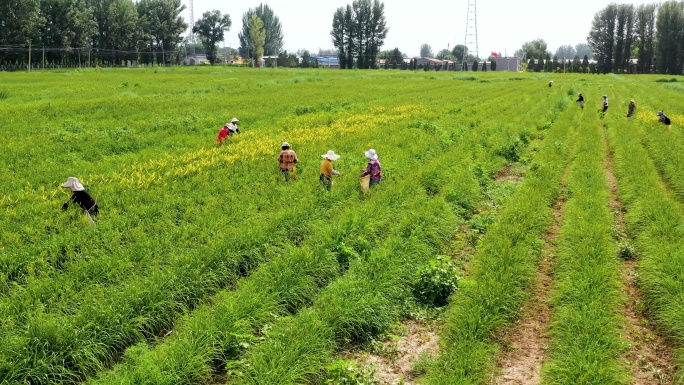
{"x":223,"y":134}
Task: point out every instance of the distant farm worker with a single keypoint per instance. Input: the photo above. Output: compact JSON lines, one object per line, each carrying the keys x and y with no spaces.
{"x":81,"y":197}
{"x":605,"y":103}
{"x":551,"y":83}
{"x":233,"y":126}
{"x":223,"y":134}
{"x":662,"y":118}
{"x":373,"y":168}
{"x":327,"y":170}
{"x":631,"y":108}
{"x":287,"y":160}
{"x":580,"y":99}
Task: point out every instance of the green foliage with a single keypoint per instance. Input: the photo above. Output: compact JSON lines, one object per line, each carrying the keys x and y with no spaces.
{"x":436,"y":281}
{"x":345,"y":372}
{"x":666,"y":80}
{"x":210,"y":29}
{"x":273,"y":34}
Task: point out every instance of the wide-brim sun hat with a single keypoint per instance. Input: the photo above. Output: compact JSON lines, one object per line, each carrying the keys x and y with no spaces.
{"x":234,"y":120}
{"x":285,"y":144}
{"x":659,"y":113}
{"x":371,"y":154}
{"x":605,"y":96}
{"x":331,"y":155}
{"x":73,"y":184}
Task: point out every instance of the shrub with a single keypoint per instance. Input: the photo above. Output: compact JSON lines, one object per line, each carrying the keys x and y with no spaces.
{"x":4,"y":94}
{"x":436,"y":282}
{"x":666,"y":80}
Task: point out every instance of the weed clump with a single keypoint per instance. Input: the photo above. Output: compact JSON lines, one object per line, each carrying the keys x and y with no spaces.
{"x":436,"y":281}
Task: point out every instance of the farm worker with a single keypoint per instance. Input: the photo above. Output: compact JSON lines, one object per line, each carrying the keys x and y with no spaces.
{"x":80,"y":196}
{"x":663,"y":118}
{"x":373,"y":168}
{"x":233,"y":126}
{"x":631,"y":108}
{"x":223,"y":134}
{"x":580,"y":99}
{"x":605,"y":103}
{"x":551,"y":83}
{"x":287,"y":159}
{"x":327,"y":170}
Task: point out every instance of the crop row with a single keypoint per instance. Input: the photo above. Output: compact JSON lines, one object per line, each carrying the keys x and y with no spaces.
{"x":144,"y":305}
{"x":59,"y":339}
{"x":353,"y":309}
{"x":173,"y":353}
{"x":504,"y":266}
{"x":655,"y":219}
{"x":586,"y":299}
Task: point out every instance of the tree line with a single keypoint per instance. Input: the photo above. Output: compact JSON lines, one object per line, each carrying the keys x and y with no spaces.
{"x":651,"y":33}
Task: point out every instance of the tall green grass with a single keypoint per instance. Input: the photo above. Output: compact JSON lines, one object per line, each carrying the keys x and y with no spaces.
{"x":503,"y":268}
{"x":585,"y":326}
{"x":655,"y":219}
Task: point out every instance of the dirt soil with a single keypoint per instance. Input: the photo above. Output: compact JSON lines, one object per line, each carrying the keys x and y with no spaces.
{"x":395,"y":364}
{"x":525,"y":344}
{"x":649,"y":355}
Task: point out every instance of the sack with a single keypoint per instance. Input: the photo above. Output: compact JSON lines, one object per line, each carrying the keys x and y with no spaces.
{"x":365,"y":183}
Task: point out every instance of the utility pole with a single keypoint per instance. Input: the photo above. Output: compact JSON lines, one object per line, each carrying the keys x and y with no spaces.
{"x":29,"y":63}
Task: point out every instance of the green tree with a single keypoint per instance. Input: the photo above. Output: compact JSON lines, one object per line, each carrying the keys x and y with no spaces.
{"x":306,"y":57}
{"x":534,"y":48}
{"x":670,"y":27}
{"x":624,"y":37}
{"x":576,"y":64}
{"x":645,"y":35}
{"x":358,"y":32}
{"x":493,"y":65}
{"x":274,"y":35}
{"x":426,"y":50}
{"x":119,"y":34}
{"x":583,"y":49}
{"x":475,"y":66}
{"x":256,"y":39}
{"x":445,"y":54}
{"x":585,"y":64}
{"x":465,"y":66}
{"x":548,"y":64}
{"x":602,"y":37}
{"x":163,"y":26}
{"x":210,"y":29}
{"x":68,"y":24}
{"x":566,"y":52}
{"x":458,"y":51}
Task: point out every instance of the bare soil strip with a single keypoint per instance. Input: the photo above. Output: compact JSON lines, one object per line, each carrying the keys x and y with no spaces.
{"x":525,"y":343}
{"x":649,"y":355}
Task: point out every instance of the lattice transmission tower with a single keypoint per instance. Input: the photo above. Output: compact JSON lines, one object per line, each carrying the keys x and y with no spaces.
{"x":471,"y":29}
{"x":192,"y":26}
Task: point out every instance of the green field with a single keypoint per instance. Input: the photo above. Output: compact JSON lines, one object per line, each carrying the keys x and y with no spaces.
{"x":206,"y":267}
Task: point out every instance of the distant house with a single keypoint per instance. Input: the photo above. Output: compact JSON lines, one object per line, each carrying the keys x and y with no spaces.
{"x":510,"y":64}
{"x":327,"y":61}
{"x":192,"y":60}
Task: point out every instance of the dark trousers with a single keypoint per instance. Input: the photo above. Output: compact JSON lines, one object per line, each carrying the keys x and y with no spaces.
{"x":326,"y":182}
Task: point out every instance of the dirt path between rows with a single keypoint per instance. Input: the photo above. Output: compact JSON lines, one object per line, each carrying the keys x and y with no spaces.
{"x":649,"y":355}
{"x":526,"y":342}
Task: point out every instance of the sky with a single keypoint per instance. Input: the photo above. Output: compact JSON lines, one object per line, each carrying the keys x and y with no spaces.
{"x":502,"y":26}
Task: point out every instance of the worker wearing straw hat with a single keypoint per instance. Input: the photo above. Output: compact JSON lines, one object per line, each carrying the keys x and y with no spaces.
{"x":327,"y":170}
{"x":81,"y":197}
{"x":373,"y":168}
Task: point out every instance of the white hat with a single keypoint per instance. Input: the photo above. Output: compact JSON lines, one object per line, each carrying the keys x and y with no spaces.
{"x":73,"y":184}
{"x":331,"y":155}
{"x":234,"y":120}
{"x":371,"y":154}
{"x":285,"y":144}
{"x":660,"y":113}
{"x":580,"y":94}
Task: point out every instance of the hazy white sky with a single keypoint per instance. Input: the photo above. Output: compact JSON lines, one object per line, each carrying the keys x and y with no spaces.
{"x":503,"y":26}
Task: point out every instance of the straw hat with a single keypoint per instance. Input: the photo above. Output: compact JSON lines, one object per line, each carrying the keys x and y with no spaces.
{"x":331,"y":155}
{"x":371,"y":154}
{"x":235,"y":120}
